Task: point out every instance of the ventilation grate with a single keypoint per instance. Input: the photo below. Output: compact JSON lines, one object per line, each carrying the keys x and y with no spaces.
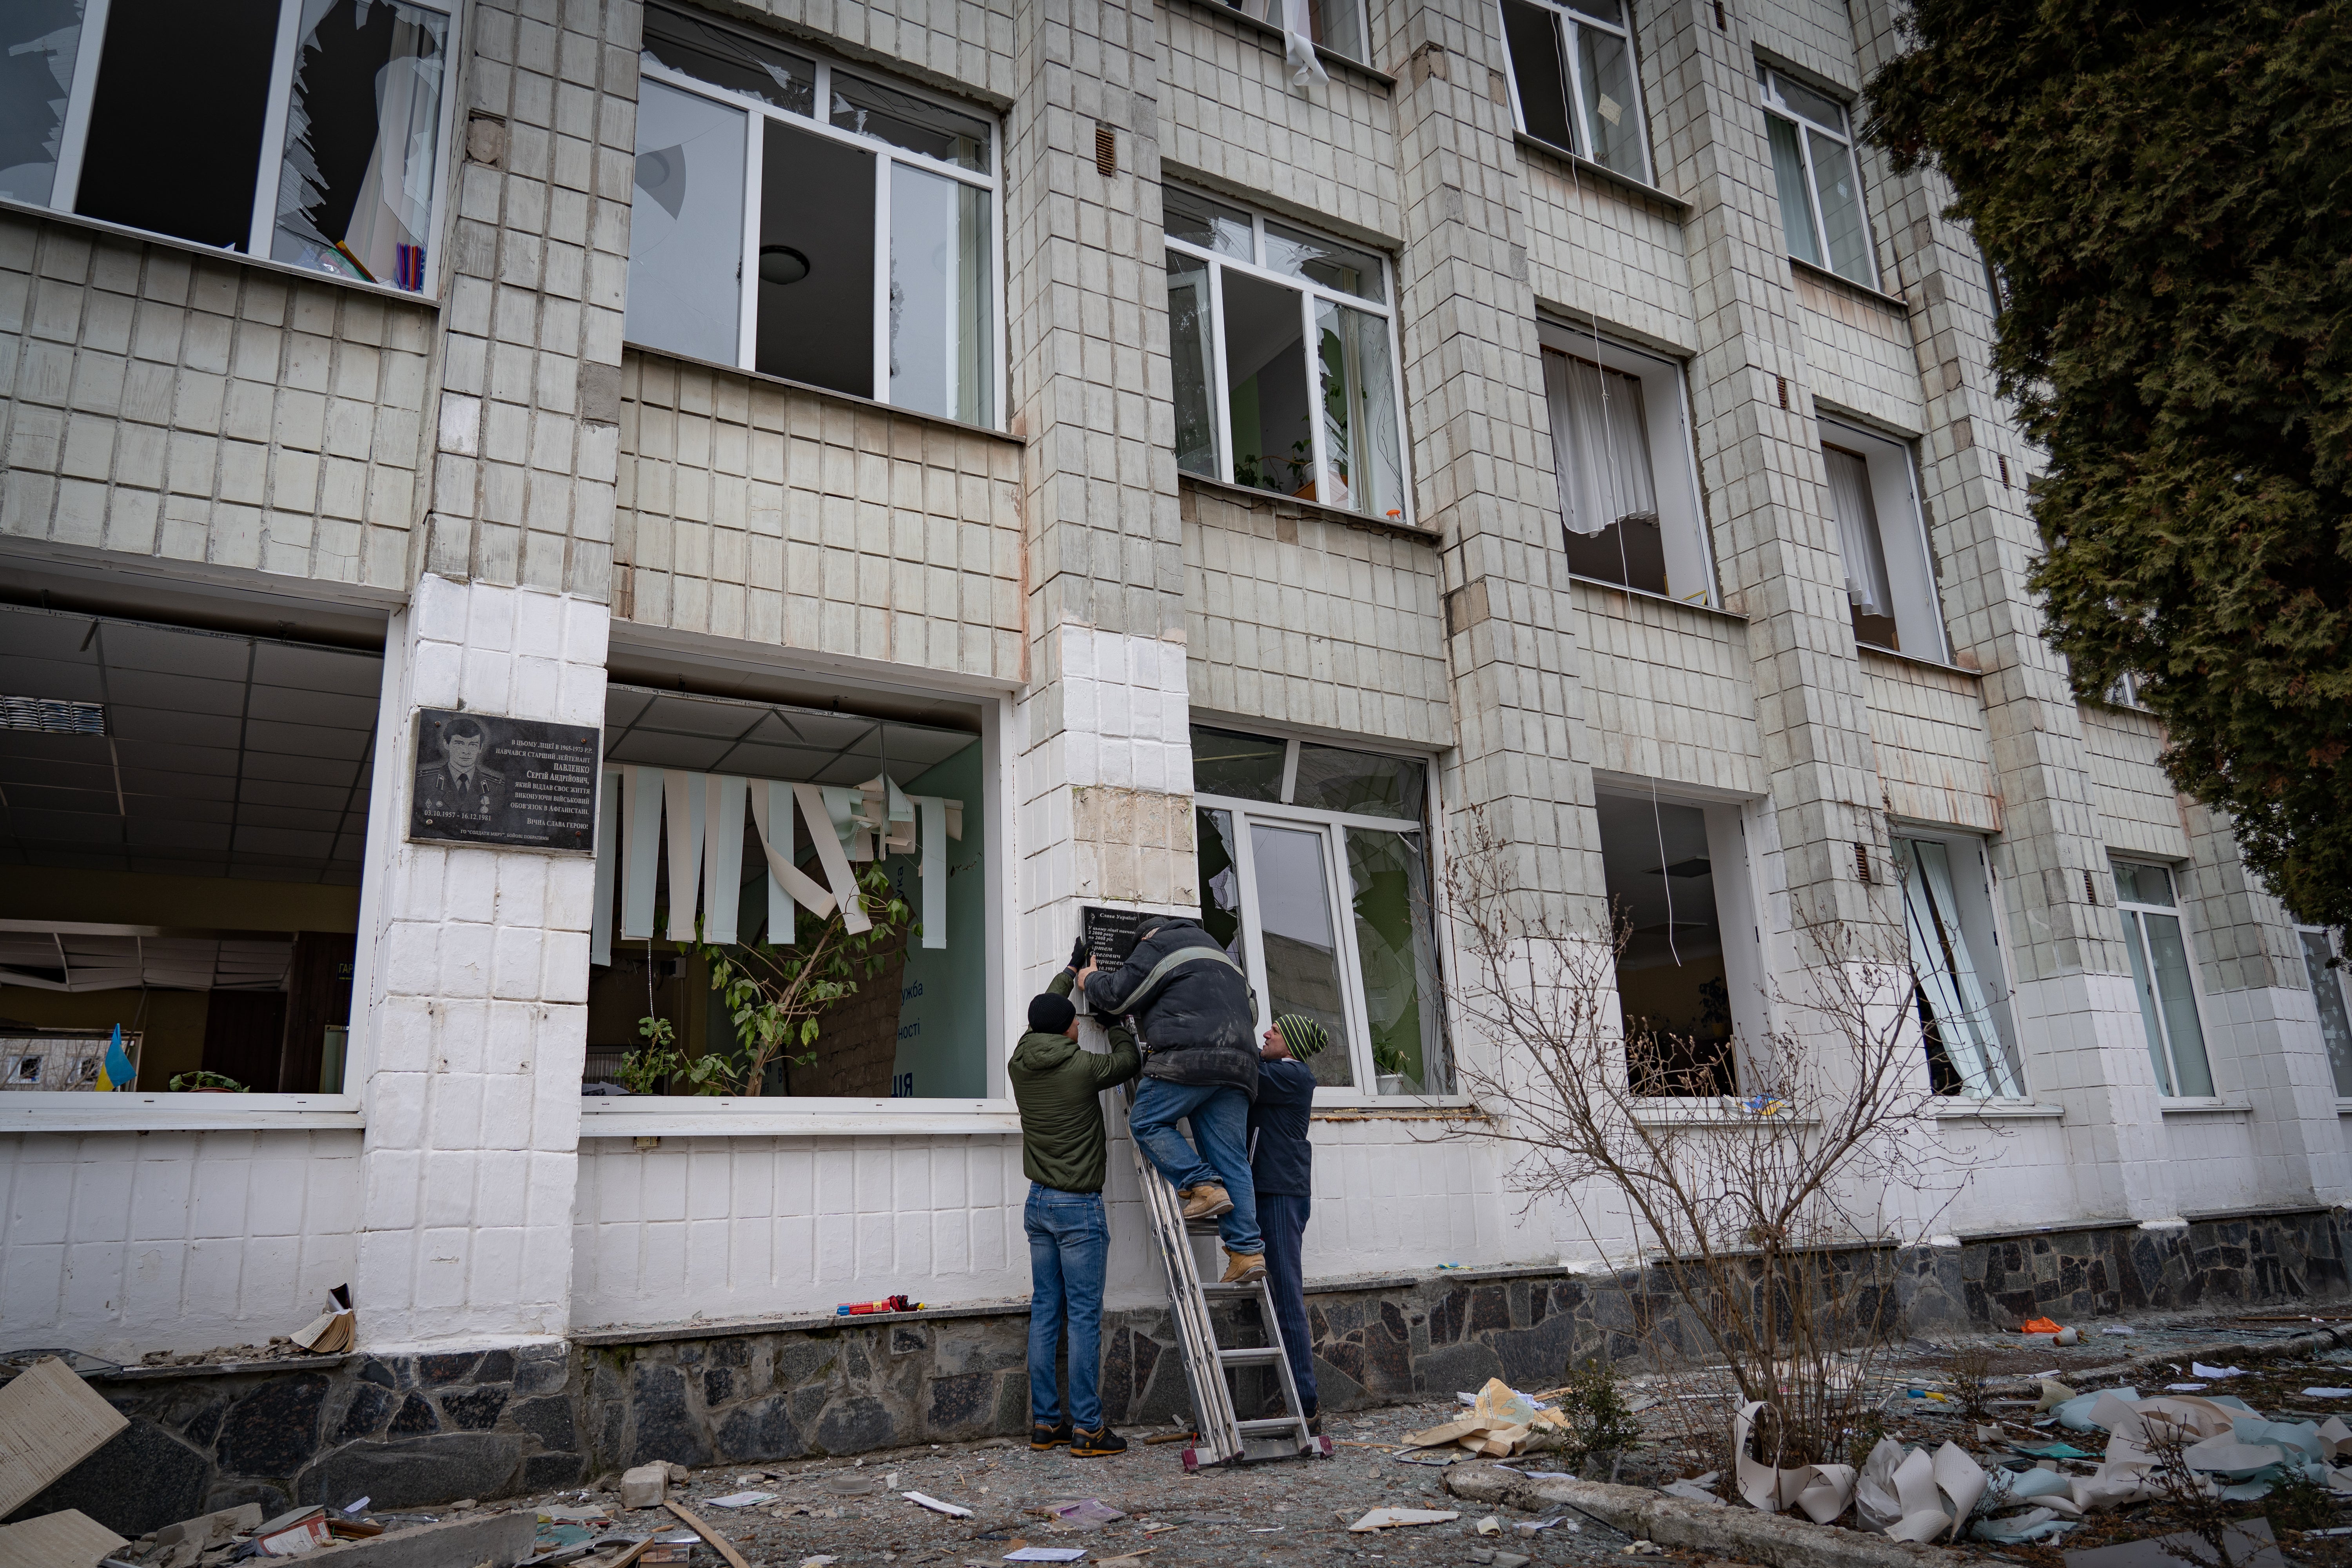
{"x":52,"y":716}
{"x":1784,"y":389}
{"x":1106,"y":150}
{"x":1862,"y":862}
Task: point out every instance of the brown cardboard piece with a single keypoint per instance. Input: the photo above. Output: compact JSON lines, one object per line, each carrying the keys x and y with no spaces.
{"x":68,"y":1539}
{"x":50,"y":1421}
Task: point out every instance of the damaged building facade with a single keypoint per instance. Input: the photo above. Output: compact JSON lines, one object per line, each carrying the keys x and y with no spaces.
{"x":539,"y":478}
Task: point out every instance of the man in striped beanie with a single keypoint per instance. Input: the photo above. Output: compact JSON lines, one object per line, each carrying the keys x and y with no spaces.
{"x":1282,"y":1168}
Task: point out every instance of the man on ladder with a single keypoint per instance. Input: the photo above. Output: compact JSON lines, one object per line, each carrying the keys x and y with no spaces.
{"x":1192,"y":1005}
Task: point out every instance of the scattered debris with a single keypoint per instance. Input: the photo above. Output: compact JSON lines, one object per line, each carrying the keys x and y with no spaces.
{"x":71,"y":1536}
{"x":1045,"y":1554}
{"x":50,"y":1421}
{"x":1500,"y":1422}
{"x":718,"y":1543}
{"x":2249,"y":1544}
{"x":646,"y":1486}
{"x":737,"y":1500}
{"x":952,"y":1510}
{"x":1396,"y":1518}
{"x":1086,"y":1513}
{"x":332,"y":1331}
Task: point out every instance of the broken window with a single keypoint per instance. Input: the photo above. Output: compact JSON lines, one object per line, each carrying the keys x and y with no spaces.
{"x":1961,"y":994}
{"x":186,"y":812}
{"x":1334,"y":25}
{"x":1313,"y":868}
{"x":1284,"y":359}
{"x":745,"y":830}
{"x":351,"y":185}
{"x":865,"y":260}
{"x":1818,"y":183}
{"x":2325,"y":968}
{"x":1572,"y":79}
{"x":2157,"y":947}
{"x":1890,"y":580}
{"x":1690,"y":983}
{"x":1620,"y":447}
{"x":363,"y":139}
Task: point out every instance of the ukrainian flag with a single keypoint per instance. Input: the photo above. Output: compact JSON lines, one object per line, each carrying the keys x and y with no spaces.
{"x":116,"y":1071}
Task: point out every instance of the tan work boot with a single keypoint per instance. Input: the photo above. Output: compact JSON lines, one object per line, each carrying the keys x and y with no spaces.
{"x":1241,"y":1268}
{"x":1207,"y":1201}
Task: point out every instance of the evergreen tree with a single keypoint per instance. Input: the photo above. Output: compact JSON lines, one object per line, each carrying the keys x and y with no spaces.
{"x":2165,"y":189}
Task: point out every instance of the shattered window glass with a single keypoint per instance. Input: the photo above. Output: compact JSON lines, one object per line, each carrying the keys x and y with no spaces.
{"x":38,"y":39}
{"x":725,"y":58}
{"x":870,"y":108}
{"x":363,"y":141}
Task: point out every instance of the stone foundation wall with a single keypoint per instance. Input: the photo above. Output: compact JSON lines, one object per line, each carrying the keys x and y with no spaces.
{"x":417,"y":1430}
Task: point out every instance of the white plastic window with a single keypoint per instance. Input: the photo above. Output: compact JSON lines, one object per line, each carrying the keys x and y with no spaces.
{"x":1882,"y":547}
{"x":1286,"y":359}
{"x":1628,"y":481}
{"x":1573,"y":81}
{"x":1334,"y":25}
{"x":1962,"y":996}
{"x":815,"y":222}
{"x":2164,"y":978}
{"x":2324,"y":966}
{"x":1819,"y":182}
{"x":312,"y":131}
{"x":1315,"y":876}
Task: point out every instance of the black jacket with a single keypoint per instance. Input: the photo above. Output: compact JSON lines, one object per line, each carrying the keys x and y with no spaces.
{"x":1191,"y":1004}
{"x":1281,"y":1160}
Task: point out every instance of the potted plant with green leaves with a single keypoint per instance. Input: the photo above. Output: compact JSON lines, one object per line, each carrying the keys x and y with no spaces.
{"x":1390,"y":1061}
{"x":201,"y":1082}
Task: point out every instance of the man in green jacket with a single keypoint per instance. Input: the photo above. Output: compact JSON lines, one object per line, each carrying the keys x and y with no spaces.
{"x":1058,"y":1085}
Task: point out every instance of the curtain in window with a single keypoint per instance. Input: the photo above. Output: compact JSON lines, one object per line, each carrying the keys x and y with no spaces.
{"x":1858,"y":539}
{"x":1946,"y":974}
{"x":1599,"y":444}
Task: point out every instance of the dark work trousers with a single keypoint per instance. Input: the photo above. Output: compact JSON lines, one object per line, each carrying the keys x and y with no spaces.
{"x":1282,"y":1218}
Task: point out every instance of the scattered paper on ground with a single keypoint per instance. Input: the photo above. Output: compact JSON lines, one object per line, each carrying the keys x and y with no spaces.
{"x":1392,"y":1517}
{"x":952,"y":1510}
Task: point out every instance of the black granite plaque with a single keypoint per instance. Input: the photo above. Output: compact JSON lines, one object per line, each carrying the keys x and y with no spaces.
{"x":512,"y":784}
{"x":1109,"y":934}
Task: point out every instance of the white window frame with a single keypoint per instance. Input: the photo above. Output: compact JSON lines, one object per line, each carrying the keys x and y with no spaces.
{"x":1902,"y":537}
{"x":1221,"y":411}
{"x":73,"y":141}
{"x":2341,"y":978}
{"x":1769,"y":79}
{"x":2137,"y":931}
{"x":758,"y":110}
{"x":1664,"y":383}
{"x":1328,"y":826}
{"x":1981,"y":914}
{"x":1565,"y":16}
{"x":1273,"y":13}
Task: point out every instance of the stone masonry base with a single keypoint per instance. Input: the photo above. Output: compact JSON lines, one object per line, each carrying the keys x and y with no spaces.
{"x":414,"y":1430}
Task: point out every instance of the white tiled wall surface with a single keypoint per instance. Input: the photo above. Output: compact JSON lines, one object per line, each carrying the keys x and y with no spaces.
{"x":1297,"y":619}
{"x":956,"y":44}
{"x":122,"y":1243}
{"x":170,"y":404}
{"x":1329,"y":155}
{"x":1670,"y":691}
{"x":2138,"y":813}
{"x":777,"y":516}
{"x":1814,"y":35}
{"x":1934,"y":759}
{"x":1859,"y":354}
{"x":1602,"y":254}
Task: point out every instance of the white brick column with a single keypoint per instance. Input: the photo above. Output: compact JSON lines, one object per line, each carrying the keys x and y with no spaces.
{"x":474,"y":976}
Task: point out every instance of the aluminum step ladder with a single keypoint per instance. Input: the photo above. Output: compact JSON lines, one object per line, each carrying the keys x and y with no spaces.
{"x":1220,"y":1436}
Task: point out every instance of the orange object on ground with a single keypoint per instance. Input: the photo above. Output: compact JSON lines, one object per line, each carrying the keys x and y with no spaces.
{"x":2039,"y":1326}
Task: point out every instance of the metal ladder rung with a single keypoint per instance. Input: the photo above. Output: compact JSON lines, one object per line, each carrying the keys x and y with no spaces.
{"x":1255,"y":1355}
{"x":1222,"y":1292}
{"x":1270,"y":1424}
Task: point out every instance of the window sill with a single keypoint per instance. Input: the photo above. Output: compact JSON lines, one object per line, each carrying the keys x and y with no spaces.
{"x":648,"y":351}
{"x":1862,"y":291}
{"x":1680,"y":1111}
{"x":215,"y":253}
{"x":1306,"y":507}
{"x":1602,"y":171}
{"x":2204,"y":1108}
{"x":694,"y":1116}
{"x":1961,"y":1108}
{"x":1329,"y":56}
{"x":37,"y":1110}
{"x":2344,"y":1108}
{"x":1900,"y":657}
{"x":1657,"y":598}
{"x":1400,"y":1108}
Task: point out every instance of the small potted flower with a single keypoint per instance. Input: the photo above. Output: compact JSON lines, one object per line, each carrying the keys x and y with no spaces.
{"x":202,"y":1082}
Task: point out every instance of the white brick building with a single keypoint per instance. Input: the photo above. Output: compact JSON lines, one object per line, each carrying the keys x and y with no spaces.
{"x":816,"y":392}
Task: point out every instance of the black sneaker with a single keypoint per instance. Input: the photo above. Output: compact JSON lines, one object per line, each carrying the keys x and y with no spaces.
{"x":1045,"y":1439}
{"x":1097,"y":1445}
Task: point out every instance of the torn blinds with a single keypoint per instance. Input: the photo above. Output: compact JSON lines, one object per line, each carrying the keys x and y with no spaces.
{"x":1956,"y":1005}
{"x":38,"y":43}
{"x":1858,"y":537}
{"x":1601,"y":444}
{"x":363,"y":141}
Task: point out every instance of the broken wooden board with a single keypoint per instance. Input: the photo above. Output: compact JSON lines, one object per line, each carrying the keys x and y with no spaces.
{"x":718,"y":1543}
{"x":1451,"y":1431}
{"x":68,"y":1539}
{"x":50,"y":1421}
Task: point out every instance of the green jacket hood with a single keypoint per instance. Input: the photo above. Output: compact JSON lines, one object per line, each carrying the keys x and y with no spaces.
{"x":1041,"y":1052}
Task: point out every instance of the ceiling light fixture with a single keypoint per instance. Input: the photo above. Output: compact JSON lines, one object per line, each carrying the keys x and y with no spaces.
{"x":781,"y":264}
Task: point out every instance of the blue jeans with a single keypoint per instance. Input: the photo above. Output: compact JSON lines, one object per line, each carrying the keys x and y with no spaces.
{"x":1285,"y":1218}
{"x":1220,"y":1116}
{"x":1068,"y":1241}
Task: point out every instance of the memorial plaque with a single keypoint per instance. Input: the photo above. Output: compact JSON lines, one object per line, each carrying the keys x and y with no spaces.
{"x":1109,"y":934}
{"x":505,"y":784}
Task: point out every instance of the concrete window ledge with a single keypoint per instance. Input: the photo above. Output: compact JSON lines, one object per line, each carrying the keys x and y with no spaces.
{"x":88,"y":1111}
{"x":1997,"y":1110}
{"x":2205,"y":1108}
{"x":688,"y":1116}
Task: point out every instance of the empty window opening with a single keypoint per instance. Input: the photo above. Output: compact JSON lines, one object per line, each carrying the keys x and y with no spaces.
{"x":1620,"y":448}
{"x":187,"y":869}
{"x":745,"y":830}
{"x":1688,"y":983}
{"x":1572,"y":79}
{"x":2158,"y":946}
{"x":1315,"y":877}
{"x":1882,"y":539}
{"x":816,"y":262}
{"x":1961,"y":993}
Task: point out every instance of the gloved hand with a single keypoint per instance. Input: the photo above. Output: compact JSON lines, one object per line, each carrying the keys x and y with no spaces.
{"x":1078,"y":953}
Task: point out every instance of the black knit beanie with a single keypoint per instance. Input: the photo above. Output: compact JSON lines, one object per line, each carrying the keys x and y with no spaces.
{"x":1050,"y":1015}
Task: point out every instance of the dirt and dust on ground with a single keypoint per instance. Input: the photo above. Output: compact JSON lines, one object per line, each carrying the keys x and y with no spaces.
{"x":851,"y":1511}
